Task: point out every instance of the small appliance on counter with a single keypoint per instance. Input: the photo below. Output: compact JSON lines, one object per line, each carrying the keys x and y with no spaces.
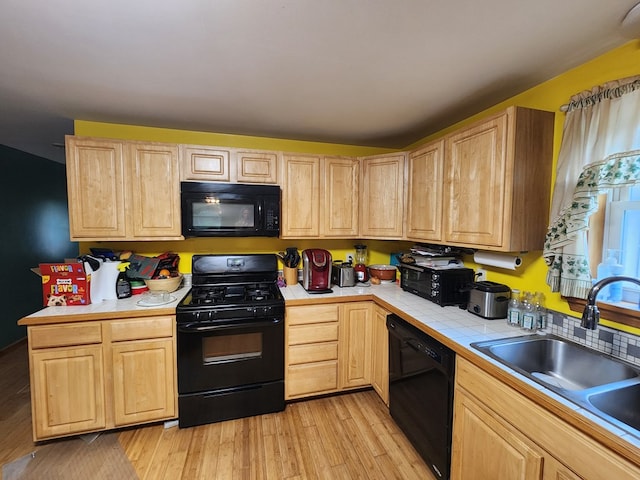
{"x":446,"y":285}
{"x":343,"y":274}
{"x":489,"y":299}
{"x":362,"y":275}
{"x":316,"y":270}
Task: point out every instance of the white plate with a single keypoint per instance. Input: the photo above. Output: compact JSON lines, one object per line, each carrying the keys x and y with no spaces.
{"x":142,"y":303}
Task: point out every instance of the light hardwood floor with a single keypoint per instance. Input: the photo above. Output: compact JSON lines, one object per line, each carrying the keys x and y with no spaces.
{"x":340,"y":437}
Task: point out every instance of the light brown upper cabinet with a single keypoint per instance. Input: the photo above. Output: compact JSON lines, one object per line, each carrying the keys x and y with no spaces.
{"x":497,"y":181}
{"x":425,"y":171}
{"x":339,"y":193}
{"x":218,"y":164}
{"x":121,"y":190}
{"x":256,"y":166}
{"x":382,"y":196}
{"x":319,"y":196}
{"x":300,"y":196}
{"x":204,"y":163}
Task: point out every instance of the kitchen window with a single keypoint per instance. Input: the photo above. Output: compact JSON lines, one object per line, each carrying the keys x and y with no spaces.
{"x":595,"y":201}
{"x":621,"y":236}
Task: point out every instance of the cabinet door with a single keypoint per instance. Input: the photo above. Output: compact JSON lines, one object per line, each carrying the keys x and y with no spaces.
{"x":143,"y":381}
{"x":382,"y":196}
{"x":475,"y":190}
{"x":154,"y":191}
{"x":356,"y":331}
{"x":425,"y":179}
{"x":255,"y":166}
{"x":339,"y":208}
{"x":301,"y":196}
{"x":380,"y":354}
{"x":484,"y":447}
{"x":96,"y":189}
{"x":204,"y":163}
{"x":67,"y":391}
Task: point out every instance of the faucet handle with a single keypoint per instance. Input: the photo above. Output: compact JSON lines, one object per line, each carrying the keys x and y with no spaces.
{"x":590,"y":317}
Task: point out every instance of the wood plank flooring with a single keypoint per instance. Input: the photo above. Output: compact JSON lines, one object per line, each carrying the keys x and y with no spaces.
{"x":347,"y":436}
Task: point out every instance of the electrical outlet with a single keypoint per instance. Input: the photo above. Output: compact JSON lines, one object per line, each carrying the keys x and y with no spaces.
{"x":481,"y":275}
{"x":350,"y":257}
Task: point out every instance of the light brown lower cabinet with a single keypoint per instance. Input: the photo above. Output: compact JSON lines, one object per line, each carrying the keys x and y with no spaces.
{"x":93,"y":376}
{"x":500,"y":434}
{"x":380,"y":354}
{"x":328,"y":348}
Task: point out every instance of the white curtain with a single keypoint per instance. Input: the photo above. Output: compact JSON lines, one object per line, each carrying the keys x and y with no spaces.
{"x":600,"y":124}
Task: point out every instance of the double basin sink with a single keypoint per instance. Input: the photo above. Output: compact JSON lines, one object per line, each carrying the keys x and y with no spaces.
{"x":606,"y":387}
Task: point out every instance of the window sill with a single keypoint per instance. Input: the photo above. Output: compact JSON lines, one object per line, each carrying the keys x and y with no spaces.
{"x":608,"y":311}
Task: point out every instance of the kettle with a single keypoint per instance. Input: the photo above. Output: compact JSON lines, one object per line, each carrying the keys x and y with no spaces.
{"x":316,"y":270}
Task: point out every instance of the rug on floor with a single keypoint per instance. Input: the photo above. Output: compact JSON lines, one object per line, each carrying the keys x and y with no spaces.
{"x":87,"y":457}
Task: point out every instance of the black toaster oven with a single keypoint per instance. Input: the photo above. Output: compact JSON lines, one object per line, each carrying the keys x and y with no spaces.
{"x":441,"y":285}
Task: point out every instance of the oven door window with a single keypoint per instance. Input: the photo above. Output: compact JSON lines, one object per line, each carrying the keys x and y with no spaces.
{"x":231,"y":348}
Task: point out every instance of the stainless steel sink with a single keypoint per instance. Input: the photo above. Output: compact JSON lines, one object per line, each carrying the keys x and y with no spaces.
{"x":622,"y":403}
{"x":558,"y":362}
{"x":601,"y":384}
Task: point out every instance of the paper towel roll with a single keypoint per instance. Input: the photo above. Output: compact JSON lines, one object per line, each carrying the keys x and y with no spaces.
{"x":501,"y":260}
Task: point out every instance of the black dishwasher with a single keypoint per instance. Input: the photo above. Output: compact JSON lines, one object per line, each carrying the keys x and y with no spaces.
{"x":421,"y":375}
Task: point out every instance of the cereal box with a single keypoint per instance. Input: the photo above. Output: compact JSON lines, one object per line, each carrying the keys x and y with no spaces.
{"x":64,"y":284}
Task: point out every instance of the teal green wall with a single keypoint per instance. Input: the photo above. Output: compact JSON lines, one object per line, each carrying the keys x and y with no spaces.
{"x":35,"y":223}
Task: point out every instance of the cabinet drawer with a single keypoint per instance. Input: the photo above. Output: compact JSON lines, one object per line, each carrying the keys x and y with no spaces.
{"x":312,"y":314}
{"x":313,"y":352}
{"x":48,"y":336}
{"x":311,"y":379}
{"x":141,"y":328}
{"x":322,"y":332}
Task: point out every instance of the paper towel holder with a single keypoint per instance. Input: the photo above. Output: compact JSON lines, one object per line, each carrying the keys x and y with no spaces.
{"x":498,"y":259}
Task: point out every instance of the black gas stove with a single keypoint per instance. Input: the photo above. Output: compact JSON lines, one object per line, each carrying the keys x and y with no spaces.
{"x":230,"y":340}
{"x":231,"y":286}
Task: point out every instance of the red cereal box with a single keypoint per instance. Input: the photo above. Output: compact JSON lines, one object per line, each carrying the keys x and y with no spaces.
{"x":64,"y":284}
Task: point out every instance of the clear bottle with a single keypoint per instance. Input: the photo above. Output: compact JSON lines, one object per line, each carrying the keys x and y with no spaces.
{"x":514,"y":310}
{"x":541,"y":311}
{"x":615,"y":268}
{"x":528,"y":319}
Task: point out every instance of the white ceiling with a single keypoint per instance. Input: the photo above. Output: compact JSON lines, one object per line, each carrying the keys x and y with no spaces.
{"x":365,"y":72}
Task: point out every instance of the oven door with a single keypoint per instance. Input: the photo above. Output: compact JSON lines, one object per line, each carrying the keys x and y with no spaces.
{"x":215,"y":356}
{"x":416,"y":280}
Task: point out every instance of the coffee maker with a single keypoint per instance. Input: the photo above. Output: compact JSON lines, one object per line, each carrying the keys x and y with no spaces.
{"x":316,"y":270}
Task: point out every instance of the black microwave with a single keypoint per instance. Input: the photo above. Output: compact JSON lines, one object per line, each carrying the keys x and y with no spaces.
{"x":229,"y":210}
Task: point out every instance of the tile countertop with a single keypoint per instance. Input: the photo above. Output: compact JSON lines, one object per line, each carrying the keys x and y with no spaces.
{"x":457,"y":328}
{"x":453,"y":326}
{"x":107,"y":309}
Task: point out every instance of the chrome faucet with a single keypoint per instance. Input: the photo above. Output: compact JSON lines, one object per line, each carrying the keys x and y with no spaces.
{"x":591,"y":314}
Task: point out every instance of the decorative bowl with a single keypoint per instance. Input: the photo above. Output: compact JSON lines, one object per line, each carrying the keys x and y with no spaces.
{"x":169,"y":284}
{"x":383,"y":272}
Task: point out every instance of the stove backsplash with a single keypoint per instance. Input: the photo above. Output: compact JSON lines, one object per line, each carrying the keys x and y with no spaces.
{"x":616,"y":343}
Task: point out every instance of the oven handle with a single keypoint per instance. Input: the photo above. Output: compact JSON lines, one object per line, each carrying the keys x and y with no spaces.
{"x":199,"y":327}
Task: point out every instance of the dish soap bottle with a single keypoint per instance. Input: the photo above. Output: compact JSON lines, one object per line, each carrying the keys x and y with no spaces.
{"x":615,"y":268}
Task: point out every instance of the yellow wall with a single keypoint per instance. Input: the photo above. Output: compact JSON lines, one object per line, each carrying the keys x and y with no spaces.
{"x":619,"y":63}
{"x":154,"y":134}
